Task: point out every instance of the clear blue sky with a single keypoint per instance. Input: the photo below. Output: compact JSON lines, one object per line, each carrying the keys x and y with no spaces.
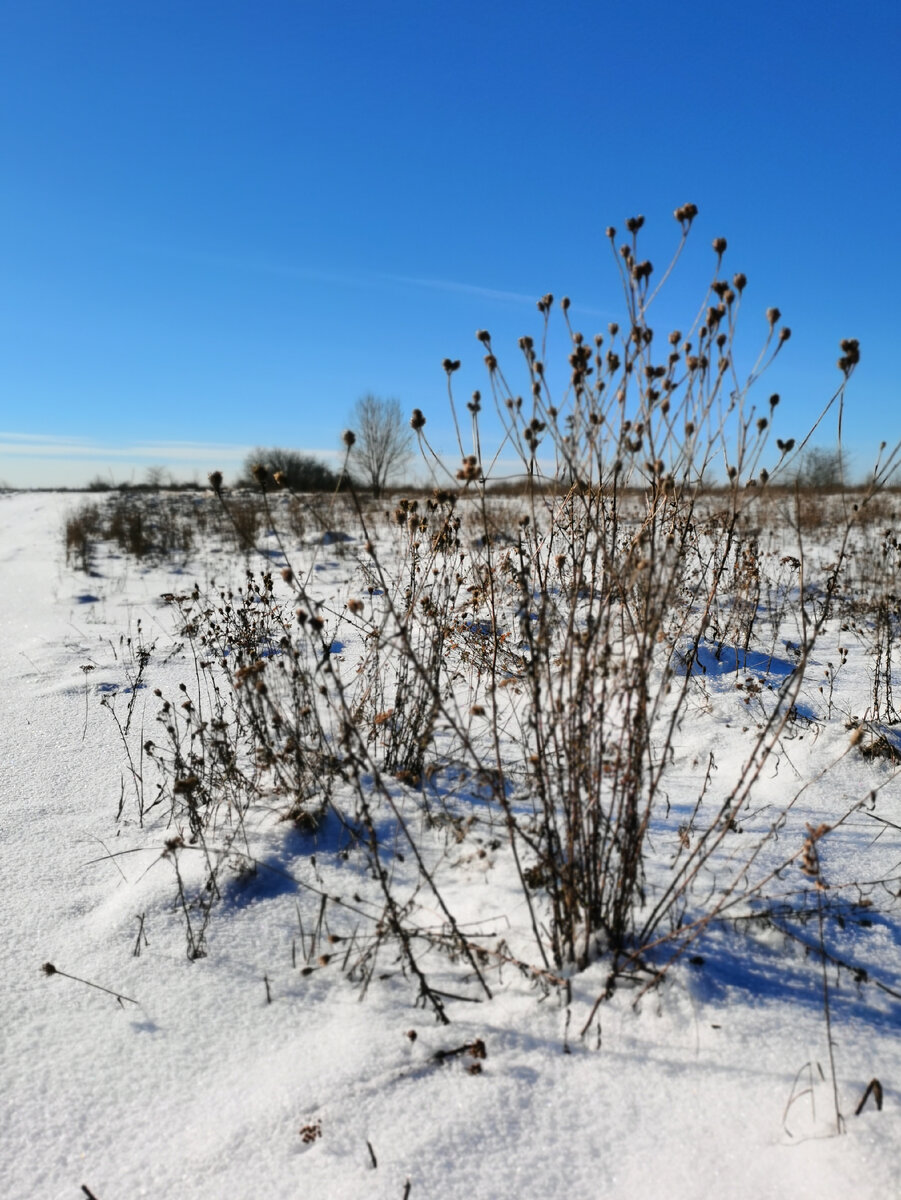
{"x":221,"y":222}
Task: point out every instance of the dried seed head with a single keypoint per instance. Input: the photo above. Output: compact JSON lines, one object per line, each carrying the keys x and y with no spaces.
{"x":634,"y":224}
{"x":215,"y":478}
{"x":773,"y":315}
{"x":564,"y":303}
{"x":719,"y":245}
{"x":642,"y":271}
{"x":348,"y":437}
{"x":740,"y":280}
{"x":417,"y":420}
{"x":483,"y":335}
{"x":451,"y":364}
{"x":784,"y":333}
{"x":850,"y":356}
{"x":686,"y":213}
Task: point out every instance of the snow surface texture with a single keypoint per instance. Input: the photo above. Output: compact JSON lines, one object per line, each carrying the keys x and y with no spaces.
{"x":238,"y":1076}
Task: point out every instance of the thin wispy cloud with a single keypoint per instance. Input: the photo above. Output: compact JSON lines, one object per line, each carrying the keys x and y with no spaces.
{"x":467,"y":289}
{"x":41,"y":460}
{"x":487,"y":293}
{"x":27,"y":445}
{"x":369,"y":280}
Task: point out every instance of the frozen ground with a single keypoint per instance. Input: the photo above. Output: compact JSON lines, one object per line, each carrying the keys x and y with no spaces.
{"x":202,"y":1088}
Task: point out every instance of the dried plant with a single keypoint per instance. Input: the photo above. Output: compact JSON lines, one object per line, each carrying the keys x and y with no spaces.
{"x":533,"y":665}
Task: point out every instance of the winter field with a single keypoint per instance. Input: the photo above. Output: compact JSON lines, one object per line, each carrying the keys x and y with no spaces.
{"x":407,"y":876}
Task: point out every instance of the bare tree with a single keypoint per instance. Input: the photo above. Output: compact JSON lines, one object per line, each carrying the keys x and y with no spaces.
{"x":383,"y":440}
{"x":155,"y":478}
{"x":821,"y":467}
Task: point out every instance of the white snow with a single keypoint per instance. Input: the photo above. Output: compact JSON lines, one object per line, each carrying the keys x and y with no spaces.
{"x":710,"y":1087}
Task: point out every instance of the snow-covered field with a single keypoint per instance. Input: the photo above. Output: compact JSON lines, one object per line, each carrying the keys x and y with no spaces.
{"x":260,"y":1069}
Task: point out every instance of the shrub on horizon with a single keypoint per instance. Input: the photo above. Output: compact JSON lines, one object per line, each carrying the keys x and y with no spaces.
{"x":296,"y":471}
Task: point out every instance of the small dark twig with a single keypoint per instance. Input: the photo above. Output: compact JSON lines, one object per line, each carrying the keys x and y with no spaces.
{"x":49,"y":969}
{"x":874,"y":1089}
{"x":475,"y":1049}
{"x":142,"y":936}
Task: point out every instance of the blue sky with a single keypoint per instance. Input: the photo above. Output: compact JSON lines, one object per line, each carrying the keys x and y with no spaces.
{"x":223,"y":222}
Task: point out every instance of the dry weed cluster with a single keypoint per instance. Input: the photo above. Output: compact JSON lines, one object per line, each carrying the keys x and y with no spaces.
{"x":533,"y":673}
